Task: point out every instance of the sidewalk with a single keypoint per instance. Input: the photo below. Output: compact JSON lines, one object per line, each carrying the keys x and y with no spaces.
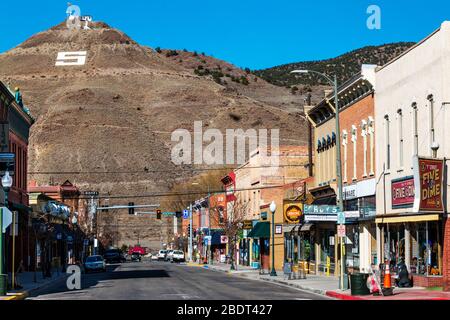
{"x":27,"y":281}
{"x":328,"y":286}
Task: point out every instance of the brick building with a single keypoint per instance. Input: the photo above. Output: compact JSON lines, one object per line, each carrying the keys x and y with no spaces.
{"x":357,"y":138}
{"x":15,"y":122}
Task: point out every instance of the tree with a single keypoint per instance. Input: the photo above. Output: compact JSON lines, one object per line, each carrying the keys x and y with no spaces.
{"x":158,"y":49}
{"x":234,"y":216}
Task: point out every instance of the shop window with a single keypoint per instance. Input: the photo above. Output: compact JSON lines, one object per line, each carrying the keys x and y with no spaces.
{"x":425,"y":249}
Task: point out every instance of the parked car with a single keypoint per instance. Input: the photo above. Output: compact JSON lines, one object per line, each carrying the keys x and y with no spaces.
{"x":114,"y":256}
{"x":162,"y":254}
{"x":94,"y":263}
{"x":177,"y":256}
{"x":168,"y":255}
{"x":136,"y":256}
{"x":154,"y":256}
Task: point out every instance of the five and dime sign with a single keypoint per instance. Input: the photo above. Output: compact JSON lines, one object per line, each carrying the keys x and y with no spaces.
{"x":428,"y":178}
{"x":402,"y":191}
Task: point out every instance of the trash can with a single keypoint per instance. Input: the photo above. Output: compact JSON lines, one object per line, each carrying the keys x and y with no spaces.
{"x":358,"y":284}
{"x":3,"y":284}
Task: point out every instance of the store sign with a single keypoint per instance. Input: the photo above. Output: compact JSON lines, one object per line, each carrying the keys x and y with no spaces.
{"x":247,"y":225}
{"x":264,"y":215}
{"x":402,"y":192}
{"x":293,"y":213}
{"x":320,"y":212}
{"x":350,"y":192}
{"x":429,"y":185}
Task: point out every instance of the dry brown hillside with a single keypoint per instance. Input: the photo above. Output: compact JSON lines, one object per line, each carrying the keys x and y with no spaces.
{"x":117,"y":111}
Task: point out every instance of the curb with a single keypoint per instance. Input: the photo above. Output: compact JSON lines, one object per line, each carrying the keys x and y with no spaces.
{"x":26,"y":293}
{"x":342,"y":296}
{"x":245,"y":275}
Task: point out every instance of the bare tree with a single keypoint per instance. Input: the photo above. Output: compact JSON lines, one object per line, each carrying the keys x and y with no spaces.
{"x":195,"y":188}
{"x":231,"y":220}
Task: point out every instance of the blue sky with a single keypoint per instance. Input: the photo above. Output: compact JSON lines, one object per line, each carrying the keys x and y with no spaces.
{"x":248,"y":33}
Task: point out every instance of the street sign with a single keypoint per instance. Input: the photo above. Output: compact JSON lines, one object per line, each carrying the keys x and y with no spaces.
{"x":7,"y":218}
{"x":223,"y":239}
{"x":185,"y":214}
{"x":341,"y":230}
{"x":207,"y":240}
{"x":90,"y":193}
{"x":340,"y":218}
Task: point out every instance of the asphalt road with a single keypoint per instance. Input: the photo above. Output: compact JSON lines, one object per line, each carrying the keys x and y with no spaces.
{"x":165,"y":281}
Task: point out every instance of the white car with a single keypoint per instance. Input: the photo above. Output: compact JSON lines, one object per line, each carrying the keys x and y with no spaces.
{"x":94,"y":263}
{"x":154,"y":257}
{"x":162,"y":254}
{"x":177,"y":256}
{"x":168,"y":255}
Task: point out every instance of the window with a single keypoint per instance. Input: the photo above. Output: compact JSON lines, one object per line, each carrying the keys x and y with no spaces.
{"x":388,"y":145}
{"x":354,"y":151}
{"x":371,"y":130}
{"x":433,"y":150}
{"x":344,"y":143}
{"x":364,"y":135}
{"x":415,"y":131}
{"x":400,"y":138}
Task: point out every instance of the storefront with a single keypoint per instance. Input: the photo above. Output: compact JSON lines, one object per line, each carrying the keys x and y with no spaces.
{"x":414,"y":235}
{"x":261,"y":248}
{"x":360,"y":210}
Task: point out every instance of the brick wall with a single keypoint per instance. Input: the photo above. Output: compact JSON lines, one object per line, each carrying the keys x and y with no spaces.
{"x":446,"y":256}
{"x":353,"y":115}
{"x":423,"y":281}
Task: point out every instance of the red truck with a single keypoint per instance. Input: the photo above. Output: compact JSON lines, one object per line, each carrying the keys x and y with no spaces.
{"x":138,"y":249}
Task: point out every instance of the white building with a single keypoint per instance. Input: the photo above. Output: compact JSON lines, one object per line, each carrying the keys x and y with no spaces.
{"x":412,"y":117}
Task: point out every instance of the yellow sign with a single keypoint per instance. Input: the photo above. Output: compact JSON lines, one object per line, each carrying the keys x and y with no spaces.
{"x":293,"y":212}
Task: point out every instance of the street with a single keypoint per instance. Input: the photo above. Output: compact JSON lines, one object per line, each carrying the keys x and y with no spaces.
{"x":165,"y":281}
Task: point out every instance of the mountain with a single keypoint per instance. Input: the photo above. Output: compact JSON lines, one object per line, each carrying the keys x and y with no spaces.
{"x":116,"y":112}
{"x":345,"y":66}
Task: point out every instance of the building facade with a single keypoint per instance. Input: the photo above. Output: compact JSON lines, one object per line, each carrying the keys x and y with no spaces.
{"x":15,"y":124}
{"x":411,"y":119}
{"x":357,"y":138}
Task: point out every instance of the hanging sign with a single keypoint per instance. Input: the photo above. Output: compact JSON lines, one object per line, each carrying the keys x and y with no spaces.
{"x":293,"y":213}
{"x":428,"y":180}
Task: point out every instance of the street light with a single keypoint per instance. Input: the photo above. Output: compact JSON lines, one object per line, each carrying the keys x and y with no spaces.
{"x":338,"y":152}
{"x":6,"y":184}
{"x":273,"y":208}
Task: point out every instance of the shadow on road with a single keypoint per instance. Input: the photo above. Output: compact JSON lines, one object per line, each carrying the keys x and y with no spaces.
{"x":100,"y":280}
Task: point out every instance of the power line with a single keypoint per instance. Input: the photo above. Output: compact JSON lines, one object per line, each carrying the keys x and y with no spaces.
{"x":162,"y":170}
{"x":174,"y":194}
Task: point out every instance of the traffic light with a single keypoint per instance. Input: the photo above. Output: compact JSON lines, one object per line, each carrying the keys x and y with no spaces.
{"x":158,"y":214}
{"x":189,"y":229}
{"x":131,"y":208}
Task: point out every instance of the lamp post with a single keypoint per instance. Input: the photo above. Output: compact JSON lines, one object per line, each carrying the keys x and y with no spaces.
{"x":6,"y":184}
{"x":273,"y":208}
{"x":338,"y":155}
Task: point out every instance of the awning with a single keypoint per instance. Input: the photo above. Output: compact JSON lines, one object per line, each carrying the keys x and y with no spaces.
{"x":260,"y":230}
{"x":409,"y":218}
{"x":306,"y":227}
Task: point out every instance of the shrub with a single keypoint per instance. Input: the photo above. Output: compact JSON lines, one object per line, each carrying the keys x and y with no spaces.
{"x":158,"y":49}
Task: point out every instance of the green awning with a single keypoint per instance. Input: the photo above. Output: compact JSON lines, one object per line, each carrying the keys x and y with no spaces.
{"x":260,"y":230}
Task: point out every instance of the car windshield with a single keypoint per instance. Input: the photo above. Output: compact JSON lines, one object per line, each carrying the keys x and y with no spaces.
{"x":163,"y":251}
{"x":135,"y":253}
{"x":178,"y":252}
{"x":94,"y":259}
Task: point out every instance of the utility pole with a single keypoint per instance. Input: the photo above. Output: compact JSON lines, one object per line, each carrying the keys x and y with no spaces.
{"x":190,"y":232}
